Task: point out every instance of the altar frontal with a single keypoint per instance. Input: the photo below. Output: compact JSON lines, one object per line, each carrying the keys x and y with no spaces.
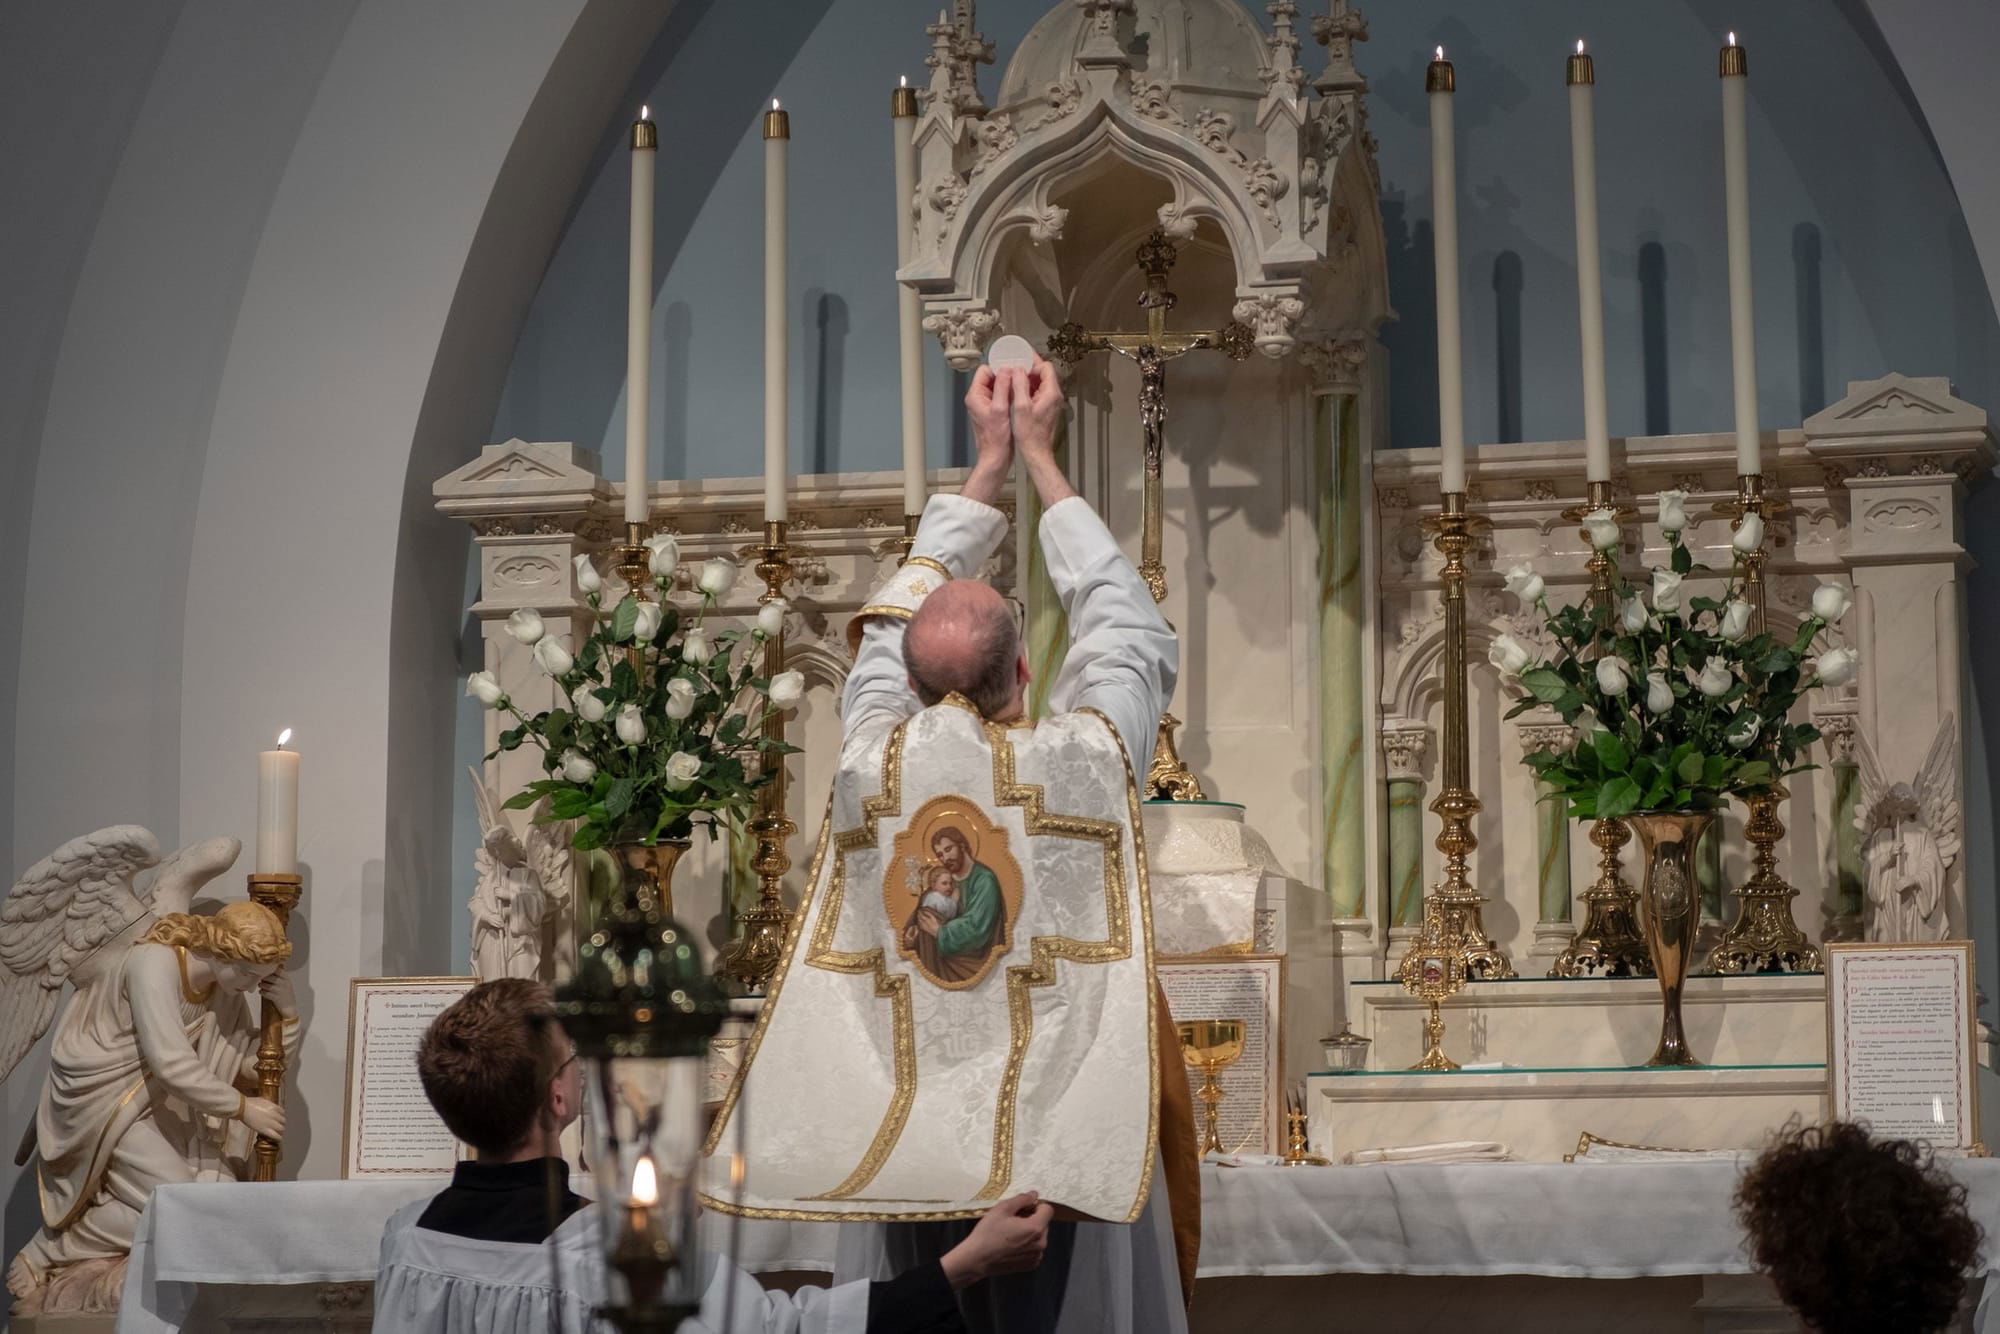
{"x":966,"y":1002}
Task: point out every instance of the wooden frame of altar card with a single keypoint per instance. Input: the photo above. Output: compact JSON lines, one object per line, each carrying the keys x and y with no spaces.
{"x":1253,"y":987}
{"x":1902,"y":1041}
{"x":399,"y":1136}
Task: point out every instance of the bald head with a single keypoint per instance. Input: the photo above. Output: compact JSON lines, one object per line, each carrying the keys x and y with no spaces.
{"x":963,"y":639}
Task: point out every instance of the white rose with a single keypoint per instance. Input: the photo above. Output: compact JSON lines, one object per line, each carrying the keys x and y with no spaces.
{"x":1673,"y":511}
{"x":696,"y":648}
{"x":485,"y":687}
{"x":588,"y":579}
{"x":682,"y":769}
{"x":718,"y":576}
{"x":771,"y":617}
{"x":662,"y":555}
{"x":1666,"y":591}
{"x":1836,"y":666}
{"x":680,"y":698}
{"x":646,"y":627}
{"x":1831,"y":601}
{"x":1716,"y":679}
{"x":787,"y":688}
{"x":1659,"y":695}
{"x":1510,"y":655}
{"x":1603,"y":529}
{"x":1743,"y":729}
{"x":588,"y":706}
{"x":1632,"y":615}
{"x":631,"y":727}
{"x":1613,"y":675}
{"x":1735,"y":620}
{"x":526,"y":626}
{"x":553,"y":657}
{"x":576,"y":768}
{"x":1749,"y":534}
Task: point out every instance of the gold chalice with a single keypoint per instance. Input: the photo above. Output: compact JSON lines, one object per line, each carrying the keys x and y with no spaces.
{"x":1208,"y":1045}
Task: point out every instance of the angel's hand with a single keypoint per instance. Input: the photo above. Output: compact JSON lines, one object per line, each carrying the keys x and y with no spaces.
{"x":277,"y":988}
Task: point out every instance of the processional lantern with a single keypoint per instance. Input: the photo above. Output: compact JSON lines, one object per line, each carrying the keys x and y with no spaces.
{"x":642,"y":1010}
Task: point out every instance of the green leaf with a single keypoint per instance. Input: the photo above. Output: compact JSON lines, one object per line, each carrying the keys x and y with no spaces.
{"x":1756,"y":773}
{"x":1689,"y":769}
{"x":1613,"y":757}
{"x":521,"y":800}
{"x":1548,"y":685}
{"x":624,"y":619}
{"x":619,"y":799}
{"x":1618,"y":797}
{"x":568,"y":803}
{"x":1778,"y":660}
{"x":1683,"y":563}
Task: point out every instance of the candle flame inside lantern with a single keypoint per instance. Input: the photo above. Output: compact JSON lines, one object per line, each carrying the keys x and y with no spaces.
{"x":645,"y":1182}
{"x":283,"y":737}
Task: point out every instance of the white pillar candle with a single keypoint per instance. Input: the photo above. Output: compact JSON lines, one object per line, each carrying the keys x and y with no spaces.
{"x":278,"y":809}
{"x":1441,"y":83}
{"x":1735,"y":69}
{"x":909,"y":311}
{"x":777,"y":138}
{"x":639,"y":316}
{"x":1582,"y":79}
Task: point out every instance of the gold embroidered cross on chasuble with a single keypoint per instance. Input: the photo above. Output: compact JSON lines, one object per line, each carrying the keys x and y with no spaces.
{"x":965,"y":1009}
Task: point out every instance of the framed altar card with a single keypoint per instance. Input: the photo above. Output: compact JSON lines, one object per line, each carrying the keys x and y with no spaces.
{"x":1901,"y":1040}
{"x":1249,"y":988}
{"x":389,"y":1129}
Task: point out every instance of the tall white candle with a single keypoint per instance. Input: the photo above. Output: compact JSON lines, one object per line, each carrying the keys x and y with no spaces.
{"x":1441,"y":82}
{"x":278,"y":809}
{"x":777,"y":138}
{"x":639,"y":316}
{"x":1735,"y":69}
{"x":909,"y":313}
{"x":1582,"y":79}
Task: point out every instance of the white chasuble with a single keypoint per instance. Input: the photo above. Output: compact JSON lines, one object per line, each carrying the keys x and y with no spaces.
{"x":965,"y":1009}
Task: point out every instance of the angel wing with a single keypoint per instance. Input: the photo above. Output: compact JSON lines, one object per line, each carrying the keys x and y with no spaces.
{"x":183,"y":873}
{"x":549,"y":853}
{"x":1874,"y":786}
{"x":1937,"y":791}
{"x":65,"y":907}
{"x":494,"y":831}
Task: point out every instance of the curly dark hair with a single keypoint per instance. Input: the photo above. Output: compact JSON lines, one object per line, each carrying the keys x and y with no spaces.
{"x":1859,"y":1234}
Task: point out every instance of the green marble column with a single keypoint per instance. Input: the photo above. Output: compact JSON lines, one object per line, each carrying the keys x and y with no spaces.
{"x":1552,"y":856}
{"x":1403,"y":758}
{"x":1850,"y":877}
{"x":1045,"y":628}
{"x":1339,"y":511}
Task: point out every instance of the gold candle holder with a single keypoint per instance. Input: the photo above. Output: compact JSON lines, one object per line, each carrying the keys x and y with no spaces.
{"x":633,"y":561}
{"x":755,"y":953}
{"x":1456,"y":805}
{"x":1764,"y":938}
{"x":1608,"y":943}
{"x":908,"y":541}
{"x":279,"y":893}
{"x":1298,"y":1148}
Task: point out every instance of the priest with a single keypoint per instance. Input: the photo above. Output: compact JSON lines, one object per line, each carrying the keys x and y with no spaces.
{"x":967,"y":1004}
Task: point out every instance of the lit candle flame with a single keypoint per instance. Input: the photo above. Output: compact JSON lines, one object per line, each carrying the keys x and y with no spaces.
{"x":1579,"y":46}
{"x":283,"y":737}
{"x":645,"y":1182}
{"x":1440,"y":54}
{"x":774,"y":104}
{"x":902,"y":80}
{"x":1732,"y":37}
{"x":645,"y":112}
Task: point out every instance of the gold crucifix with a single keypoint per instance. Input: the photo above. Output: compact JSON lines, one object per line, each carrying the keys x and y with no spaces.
{"x":1151,"y":351}
{"x":1167,"y":776}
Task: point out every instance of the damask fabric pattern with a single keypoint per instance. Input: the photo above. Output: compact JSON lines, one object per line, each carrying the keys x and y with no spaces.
{"x":933,"y":1101}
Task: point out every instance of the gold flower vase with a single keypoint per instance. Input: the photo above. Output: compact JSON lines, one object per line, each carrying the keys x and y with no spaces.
{"x":1670,"y":914}
{"x":646,"y":873}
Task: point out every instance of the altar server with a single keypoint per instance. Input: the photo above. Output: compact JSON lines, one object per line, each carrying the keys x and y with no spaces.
{"x":968,"y":1005}
{"x":507,"y":1246}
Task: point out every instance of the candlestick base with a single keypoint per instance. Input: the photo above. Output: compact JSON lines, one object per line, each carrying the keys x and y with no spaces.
{"x":1608,"y":944}
{"x":1764,"y":938}
{"x":280,"y":893}
{"x":633,"y":561}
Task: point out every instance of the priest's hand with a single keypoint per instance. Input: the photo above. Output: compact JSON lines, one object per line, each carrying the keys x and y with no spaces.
{"x":265,"y":1117}
{"x":1010,"y":1239}
{"x":1038,"y":415}
{"x":989,"y":403}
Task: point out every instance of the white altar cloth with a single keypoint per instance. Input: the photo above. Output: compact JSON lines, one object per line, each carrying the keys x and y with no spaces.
{"x":1556,"y":1220}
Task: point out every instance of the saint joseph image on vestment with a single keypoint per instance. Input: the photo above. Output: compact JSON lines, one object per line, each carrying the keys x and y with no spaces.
{"x":963,"y":903}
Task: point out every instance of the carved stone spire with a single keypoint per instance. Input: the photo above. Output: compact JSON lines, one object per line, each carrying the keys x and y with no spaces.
{"x":1282,"y":69}
{"x":1338,"y":30}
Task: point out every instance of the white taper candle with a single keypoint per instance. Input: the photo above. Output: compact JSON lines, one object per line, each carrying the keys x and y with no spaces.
{"x":1441,"y":83}
{"x":777,"y":371}
{"x":909,"y":310}
{"x":1735,"y":70}
{"x":278,"y":809}
{"x":1582,"y":80}
{"x":639,"y":316}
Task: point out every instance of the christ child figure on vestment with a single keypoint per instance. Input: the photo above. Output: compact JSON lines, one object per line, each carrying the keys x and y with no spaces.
{"x":940,"y":897}
{"x":953,"y":946}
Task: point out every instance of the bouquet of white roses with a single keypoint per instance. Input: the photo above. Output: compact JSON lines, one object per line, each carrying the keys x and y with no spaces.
{"x":1677,"y":705}
{"x":662,"y":712}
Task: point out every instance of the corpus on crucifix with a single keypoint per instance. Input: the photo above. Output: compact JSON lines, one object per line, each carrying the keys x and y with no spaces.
{"x":1151,"y":350}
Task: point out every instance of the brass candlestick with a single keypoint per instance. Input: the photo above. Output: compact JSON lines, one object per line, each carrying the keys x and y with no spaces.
{"x":1609,"y":942}
{"x":1455,"y":804}
{"x":1764,"y":938}
{"x":1298,"y":1148}
{"x":279,"y":893}
{"x":1208,"y":1045}
{"x":633,"y":561}
{"x":754,"y":955}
